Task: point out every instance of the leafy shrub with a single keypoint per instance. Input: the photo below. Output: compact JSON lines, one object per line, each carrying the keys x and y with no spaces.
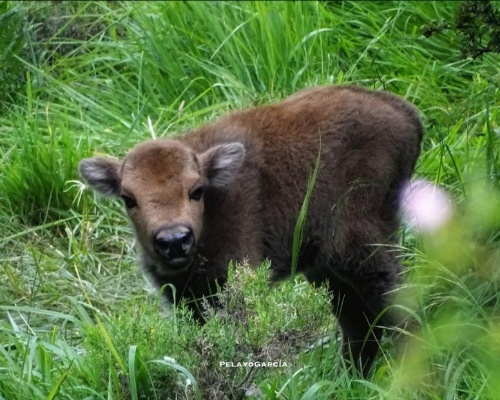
{"x":255,"y":324}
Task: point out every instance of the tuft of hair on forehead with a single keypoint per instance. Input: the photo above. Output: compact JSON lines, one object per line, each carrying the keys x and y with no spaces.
{"x":167,"y":158}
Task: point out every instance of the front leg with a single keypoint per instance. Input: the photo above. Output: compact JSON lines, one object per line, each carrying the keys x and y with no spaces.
{"x":191,"y":286}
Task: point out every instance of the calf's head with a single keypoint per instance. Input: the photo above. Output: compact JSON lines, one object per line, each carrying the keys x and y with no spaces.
{"x":162,"y":184}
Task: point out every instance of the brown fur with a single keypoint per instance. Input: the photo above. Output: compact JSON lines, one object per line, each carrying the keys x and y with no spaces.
{"x":368,"y":143}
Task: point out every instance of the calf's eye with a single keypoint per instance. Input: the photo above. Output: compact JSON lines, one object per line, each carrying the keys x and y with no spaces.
{"x":196,"y":194}
{"x":129,"y":201}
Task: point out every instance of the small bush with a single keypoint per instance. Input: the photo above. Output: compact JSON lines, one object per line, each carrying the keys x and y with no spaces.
{"x":255,"y":324}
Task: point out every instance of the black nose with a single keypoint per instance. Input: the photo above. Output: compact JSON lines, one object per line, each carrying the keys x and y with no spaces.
{"x":174,"y":243}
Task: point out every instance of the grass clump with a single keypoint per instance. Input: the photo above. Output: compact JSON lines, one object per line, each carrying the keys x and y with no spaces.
{"x":12,"y":41}
{"x":37,"y":168}
{"x":455,"y":282}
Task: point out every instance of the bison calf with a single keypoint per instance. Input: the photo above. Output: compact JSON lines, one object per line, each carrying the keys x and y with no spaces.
{"x":232,"y":190}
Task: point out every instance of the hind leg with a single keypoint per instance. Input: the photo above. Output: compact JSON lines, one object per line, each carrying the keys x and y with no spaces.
{"x":361,"y":293}
{"x":359,"y":304}
{"x":360,"y":296}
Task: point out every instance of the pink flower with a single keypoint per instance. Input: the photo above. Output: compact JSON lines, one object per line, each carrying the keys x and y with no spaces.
{"x":425,"y":206}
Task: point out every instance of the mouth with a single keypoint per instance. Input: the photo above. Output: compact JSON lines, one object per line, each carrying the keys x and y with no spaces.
{"x":165,"y":267}
{"x":179,"y":262}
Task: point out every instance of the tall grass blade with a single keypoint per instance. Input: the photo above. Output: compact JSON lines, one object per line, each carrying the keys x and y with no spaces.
{"x":301,"y":219}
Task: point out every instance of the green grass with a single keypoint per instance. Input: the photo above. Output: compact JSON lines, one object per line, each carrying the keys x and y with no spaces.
{"x":79,"y":321}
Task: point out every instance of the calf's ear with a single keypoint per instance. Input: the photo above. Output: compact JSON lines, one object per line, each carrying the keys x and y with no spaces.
{"x":101,"y":174}
{"x":221,"y":163}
